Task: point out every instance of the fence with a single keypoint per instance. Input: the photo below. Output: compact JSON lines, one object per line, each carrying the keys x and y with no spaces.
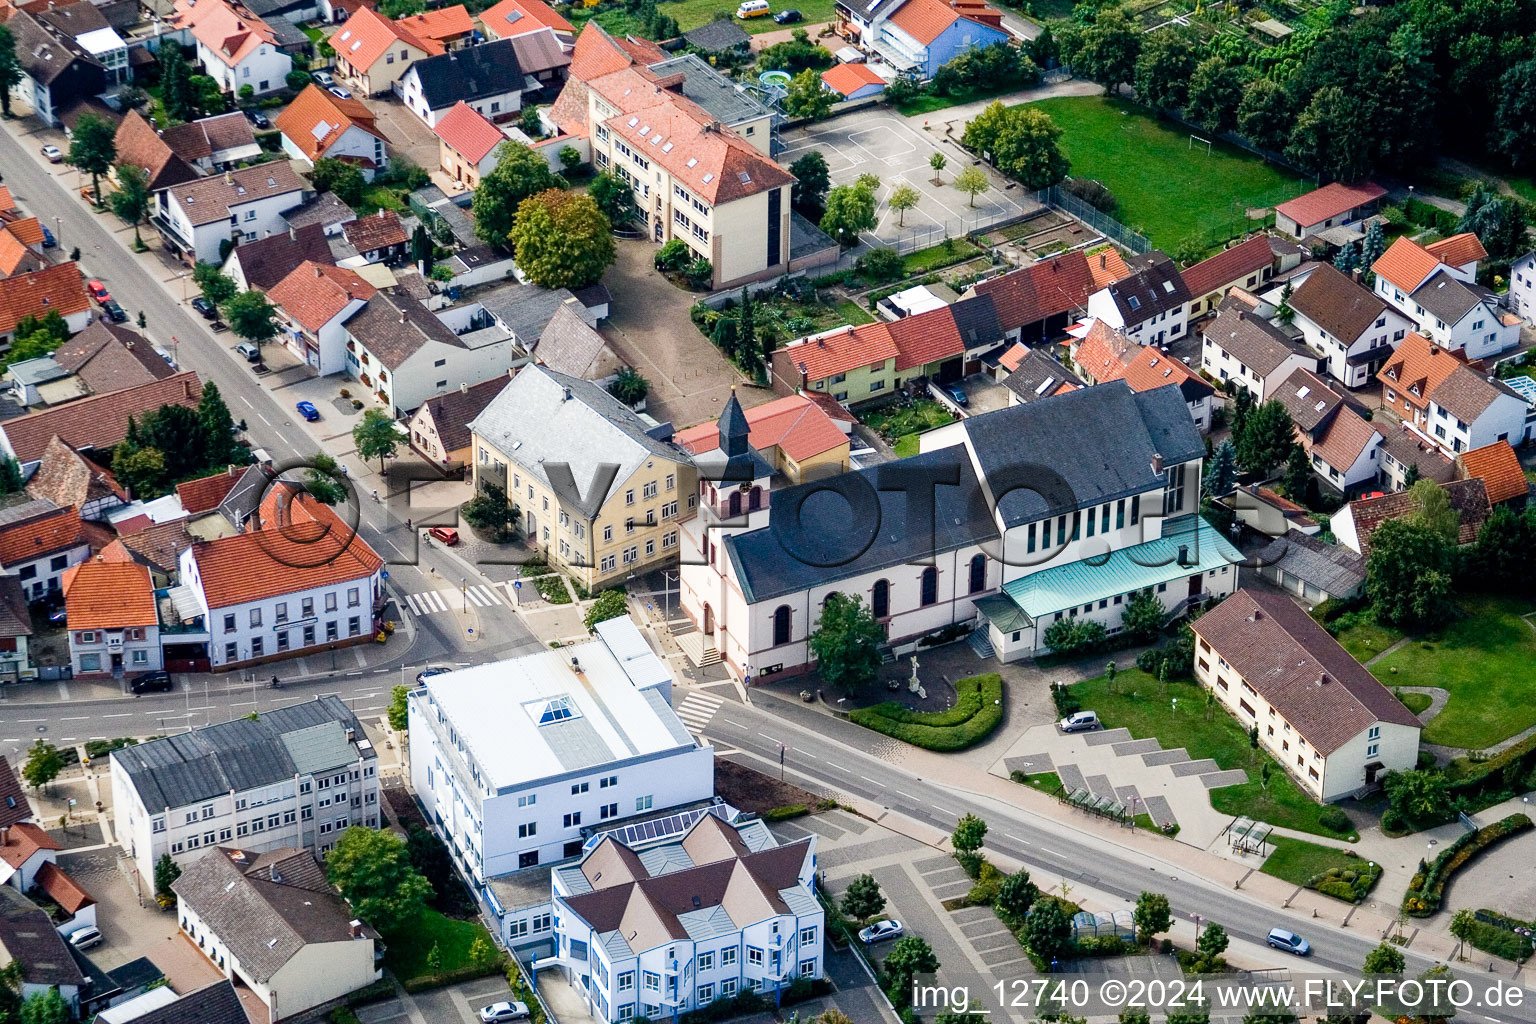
{"x":1106,"y":225}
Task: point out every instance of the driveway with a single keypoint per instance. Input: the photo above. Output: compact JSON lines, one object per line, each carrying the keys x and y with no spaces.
{"x":407,"y":133}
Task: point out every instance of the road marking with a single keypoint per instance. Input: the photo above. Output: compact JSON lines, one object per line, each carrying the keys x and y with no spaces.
{"x":124,"y":714}
{"x":76,"y":718}
{"x":941,"y":810}
{"x":31,"y":719}
{"x":265,"y":420}
{"x":733,"y":724}
{"x":838,"y":767}
{"x":247,"y":402}
{"x":1052,"y":853}
{"x":1016,"y":839}
{"x":770,"y":739}
{"x":909,"y":796}
{"x":11,"y":739}
{"x":872,"y":782}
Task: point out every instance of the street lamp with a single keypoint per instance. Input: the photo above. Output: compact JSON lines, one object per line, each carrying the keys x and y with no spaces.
{"x":464,"y":592}
{"x":1198,"y":919}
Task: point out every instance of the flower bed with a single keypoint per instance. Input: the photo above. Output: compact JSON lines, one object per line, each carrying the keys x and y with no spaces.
{"x":1428,"y":886}
{"x":978,"y":710}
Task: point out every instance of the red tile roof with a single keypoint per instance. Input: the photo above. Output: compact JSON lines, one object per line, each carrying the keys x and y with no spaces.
{"x":100,"y":421}
{"x":1418,"y":365}
{"x":375,"y":231}
{"x":24,"y":840}
{"x":839,"y":351}
{"x":314,"y":294}
{"x":1468,"y":497}
{"x":926,"y":20}
{"x":1011,"y":359}
{"x":28,"y":230}
{"x":109,"y":595}
{"x":1230,"y":266}
{"x":517,"y":17}
{"x":59,"y":287}
{"x":232,"y":33}
{"x":1051,"y":287}
{"x":926,"y":338}
{"x":41,"y":535}
{"x":139,"y":144}
{"x":847,"y":79}
{"x":1329,"y":201}
{"x":62,"y":889}
{"x":1500,"y":469}
{"x":207,"y":493}
{"x":834,"y":409}
{"x":315,"y":549}
{"x":444,"y":23}
{"x":794,"y":424}
{"x":364,"y":38}
{"x":317,"y":118}
{"x":707,"y":159}
{"x":1406,"y":264}
{"x":1150,"y":368}
{"x":1103,"y":353}
{"x":1458,"y":250}
{"x":1345,"y":437}
{"x":469,"y":133}
{"x":1106,"y":267}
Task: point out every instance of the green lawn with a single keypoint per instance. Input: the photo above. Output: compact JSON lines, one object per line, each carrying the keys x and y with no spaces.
{"x":928,"y":102}
{"x":1045,"y":782}
{"x":946,"y":253}
{"x":853,"y":313}
{"x":1167,"y":190}
{"x":1138,"y":704}
{"x":1363,"y":637}
{"x":1298,"y":861}
{"x":1415,"y":702}
{"x":406,"y":952}
{"x":1484,"y":660}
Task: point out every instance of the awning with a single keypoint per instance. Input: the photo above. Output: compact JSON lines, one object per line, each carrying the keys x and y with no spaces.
{"x":184,"y":600}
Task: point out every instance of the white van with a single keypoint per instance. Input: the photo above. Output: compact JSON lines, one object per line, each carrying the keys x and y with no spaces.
{"x":752,"y":9}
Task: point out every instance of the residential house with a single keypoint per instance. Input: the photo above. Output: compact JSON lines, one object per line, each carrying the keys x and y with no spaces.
{"x":95,"y":424}
{"x":1333,"y":727}
{"x":546,"y":438}
{"x":1355,"y":522}
{"x":1342,"y":445}
{"x":503,"y":733}
{"x":373,"y":52}
{"x":1268,"y":512}
{"x":439,"y":428}
{"x":14,"y":805}
{"x":56,"y":70}
{"x":852,"y":81}
{"x":1453,"y":406}
{"x":325,"y":211}
{"x":58,"y":288}
{"x":1499,"y":468}
{"x":319,"y":125}
{"x":377,"y":238}
{"x":315,"y":301}
{"x":30,"y":940}
{"x":1331,"y":206}
{"x":1150,"y":306}
{"x":265,"y":594}
{"x":38,"y":542}
{"x":546,"y":63}
{"x":1352,"y":330}
{"x":213,"y":144}
{"x":297,"y":775}
{"x":21,"y":247}
{"x":1443,"y":298}
{"x":719,"y":37}
{"x":528,"y":309}
{"x":114,"y":622}
{"x":156,"y":548}
{"x":15,"y":666}
{"x":1104,"y":354}
{"x":272,"y":922}
{"x":1248,"y":265}
{"x":918,"y":37}
{"x":406,"y":354}
{"x":467,"y":144}
{"x":1405,"y":451}
{"x":199,"y":219}
{"x":487,"y":77}
{"x":1037,"y":303}
{"x":212,"y":1004}
{"x":1522,"y":286}
{"x":1035,"y":375}
{"x":796,"y":437}
{"x":77,"y":906}
{"x":235,"y":47}
{"x":512,"y":18}
{"x":638,"y":910}
{"x":70,"y":480}
{"x":107,"y":357}
{"x":1245,"y":348}
{"x":569,"y":345}
{"x":24,"y":849}
{"x":266,"y":261}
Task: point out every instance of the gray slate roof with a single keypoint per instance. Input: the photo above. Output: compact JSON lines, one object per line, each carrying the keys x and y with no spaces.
{"x":175,"y":771}
{"x":717,"y":36}
{"x":469,"y":74}
{"x":1082,"y":448}
{"x":1155,"y":286}
{"x":29,"y":937}
{"x":1039,"y":376}
{"x":1448,"y":298}
{"x":527,"y":309}
{"x":771,"y":562}
{"x":215,"y":1004}
{"x":1331,"y":568}
{"x":395,"y":327}
{"x":568,"y":344}
{"x":534,"y":423}
{"x":1252,"y":340}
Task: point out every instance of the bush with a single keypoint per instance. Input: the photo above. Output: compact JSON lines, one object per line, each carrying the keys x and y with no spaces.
{"x":1477,"y":778}
{"x":673,"y":257}
{"x":978,"y":710}
{"x":970,"y":862}
{"x":879,"y":266}
{"x":1075,"y":636}
{"x":988,"y":882}
{"x":1423,"y":898}
{"x":1494,"y":933}
{"x":1065,"y":700}
{"x":1094,"y":193}
{"x":296,"y":79}
{"x":1335,"y":819}
{"x":1101,"y":945}
{"x":101,"y":748}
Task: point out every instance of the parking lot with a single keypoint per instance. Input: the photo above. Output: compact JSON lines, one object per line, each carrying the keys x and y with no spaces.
{"x":892,"y":148}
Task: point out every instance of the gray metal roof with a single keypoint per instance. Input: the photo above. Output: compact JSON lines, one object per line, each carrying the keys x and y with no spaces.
{"x":190,"y":767}
{"x":527,"y":309}
{"x":718,"y":35}
{"x":674,"y":725}
{"x":37,"y":371}
{"x":706,"y":923}
{"x":711,"y":90}
{"x":319,"y":747}
{"x":1448,"y":298}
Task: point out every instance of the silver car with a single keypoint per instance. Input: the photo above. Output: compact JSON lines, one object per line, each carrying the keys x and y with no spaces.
{"x":497,"y":1012}
{"x":86,"y":937}
{"x":880,"y":931}
{"x":1080,"y":721}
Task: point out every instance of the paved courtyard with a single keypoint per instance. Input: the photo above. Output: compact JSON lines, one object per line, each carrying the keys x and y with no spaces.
{"x":897,"y":150}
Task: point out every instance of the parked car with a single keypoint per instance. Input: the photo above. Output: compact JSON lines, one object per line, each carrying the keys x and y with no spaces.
{"x":204,"y":308}
{"x":98,"y":292}
{"x":497,"y":1012}
{"x":1289,"y":941}
{"x":1080,"y":721}
{"x":250,"y":350}
{"x":258,"y":119}
{"x":446,"y":534}
{"x":117,"y":314}
{"x":86,"y":937}
{"x":53,"y":154}
{"x":338,"y":91}
{"x":880,"y":931}
{"x":151,"y":682}
{"x":308,"y":411}
{"x":323,"y":78}
{"x":957,"y":394}
{"x":48,"y":240}
{"x":430,"y":671}
{"x":788,"y":16}
{"x":58,"y":617}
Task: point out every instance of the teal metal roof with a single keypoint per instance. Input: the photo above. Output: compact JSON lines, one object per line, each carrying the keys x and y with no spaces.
{"x":1133,"y":568}
{"x":1003,"y":613}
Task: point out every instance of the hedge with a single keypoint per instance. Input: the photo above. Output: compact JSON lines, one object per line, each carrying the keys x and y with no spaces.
{"x":1428,"y":886}
{"x":1351,"y":884}
{"x":978,"y":710}
{"x":1478,"y":773}
{"x":451,"y":976}
{"x":1490,"y":938}
{"x":523,"y":994}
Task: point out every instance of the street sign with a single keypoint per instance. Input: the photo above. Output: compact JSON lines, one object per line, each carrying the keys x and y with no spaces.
{"x":517,"y":584}
{"x":384,"y":573}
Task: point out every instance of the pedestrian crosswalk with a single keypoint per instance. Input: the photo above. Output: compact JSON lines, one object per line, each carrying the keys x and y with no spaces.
{"x":433,"y":602}
{"x":697,"y":709}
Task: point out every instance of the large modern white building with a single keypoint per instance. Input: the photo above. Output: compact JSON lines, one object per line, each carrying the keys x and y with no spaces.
{"x":517,"y":762}
{"x":658,"y":929}
{"x":295,"y":776}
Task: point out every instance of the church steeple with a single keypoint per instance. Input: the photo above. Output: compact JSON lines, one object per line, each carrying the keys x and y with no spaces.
{"x":734,"y":431}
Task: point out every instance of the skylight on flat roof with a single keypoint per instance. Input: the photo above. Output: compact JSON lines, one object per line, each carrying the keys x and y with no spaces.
{"x":555,"y":709}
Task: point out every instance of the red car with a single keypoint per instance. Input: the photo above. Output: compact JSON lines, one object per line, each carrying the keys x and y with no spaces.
{"x":98,"y":292}
{"x":448,"y":536}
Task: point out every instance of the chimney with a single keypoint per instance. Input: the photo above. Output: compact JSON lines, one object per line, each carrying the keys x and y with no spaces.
{"x":317,"y":271}
{"x":1183,"y":554}
{"x":1354,"y":275}
{"x":351,"y":735}
{"x":5,"y":836}
{"x":567,"y":398}
{"x":463,"y":388}
{"x":402,"y":316}
{"x":229,"y":177}
{"x":1103,"y":261}
{"x":356,"y":927}
{"x":1157,"y":462}
{"x":293,"y":234}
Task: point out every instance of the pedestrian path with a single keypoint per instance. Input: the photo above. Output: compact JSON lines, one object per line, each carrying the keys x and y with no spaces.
{"x":697,"y":709}
{"x":434,"y":602}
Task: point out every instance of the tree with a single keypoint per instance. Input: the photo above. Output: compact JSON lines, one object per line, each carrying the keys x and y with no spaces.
{"x":1498,"y":221}
{"x":166,"y":873}
{"x":1504,"y":557}
{"x":490,"y":510}
{"x":613,"y":197}
{"x":176,"y":92}
{"x":396,"y":9}
{"x":863,"y":899}
{"x":846,"y":643}
{"x":908,"y":958}
{"x":570,"y":158}
{"x":969,"y":834}
{"x":1163,"y":69}
{"x":399,"y":716}
{"x":1143,"y":617}
{"x":850,"y":209}
{"x":610,"y":604}
{"x":1264,"y":116}
{"x":219,"y":447}
{"x":216,"y":286}
{"x":208,"y":94}
{"x":746,"y":338}
{"x":36,"y":337}
{"x":806,"y":96}
{"x":1152,"y":915}
{"x":796,"y":54}
{"x":1016,"y":895}
{"x":340,"y":177}
{"x":1514,"y":119}
{"x":10,"y":68}
{"x":629,"y":387}
{"x":1345,"y":260}
{"x":938,"y":161}
{"x":1048,"y":932}
{"x":1408,"y":574}
{"x":251,"y":317}
{"x":880,"y":265}
{"x":1023,"y":142}
{"x":92,"y":148}
{"x":519,"y":173}
{"x":141,"y":470}
{"x":1298,"y":473}
{"x":903,"y":198}
{"x":1385,"y":959}
{"x":832,"y":1015}
{"x":1136,"y":1017}
{"x":973,"y":181}
{"x":376,"y":437}
{"x":1463,"y":924}
{"x":1221,"y":474}
{"x":373,"y":870}
{"x":435,"y":958}
{"x":45,"y":1007}
{"x":10,"y":475}
{"x":530,"y":122}
{"x":1212,"y":943}
{"x":324,"y":480}
{"x":1433,"y":511}
{"x":1107,"y":50}
{"x":1266,"y":438}
{"x":1419,"y":798}
{"x":562,"y":239}
{"x":43,"y":764}
{"x":1327,"y":139}
{"x":1372,"y":246}
{"x":812,"y":180}
{"x":1215,"y":93}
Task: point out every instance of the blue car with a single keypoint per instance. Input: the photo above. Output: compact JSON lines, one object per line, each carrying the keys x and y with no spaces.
{"x":308,"y":411}
{"x":48,"y":240}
